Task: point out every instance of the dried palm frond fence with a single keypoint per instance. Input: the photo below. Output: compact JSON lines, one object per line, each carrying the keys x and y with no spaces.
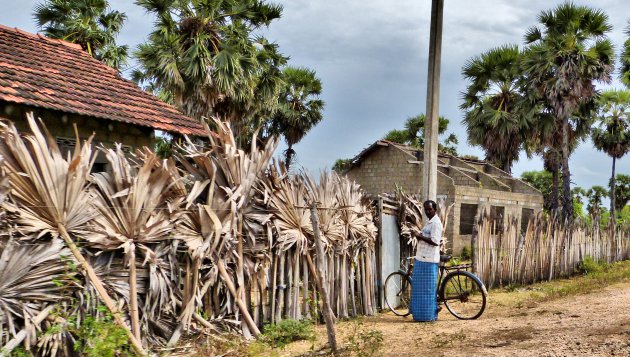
{"x":546,"y":250}
{"x":215,"y":238}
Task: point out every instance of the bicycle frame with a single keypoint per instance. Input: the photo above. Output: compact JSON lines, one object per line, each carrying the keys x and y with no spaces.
{"x":406,"y":267}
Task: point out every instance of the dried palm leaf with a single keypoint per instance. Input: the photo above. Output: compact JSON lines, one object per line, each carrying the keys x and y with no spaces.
{"x":46,"y":189}
{"x":331,"y":227}
{"x":133,"y":212}
{"x":49,"y":193}
{"x":224,"y":180}
{"x":31,"y":276}
{"x":291,"y":219}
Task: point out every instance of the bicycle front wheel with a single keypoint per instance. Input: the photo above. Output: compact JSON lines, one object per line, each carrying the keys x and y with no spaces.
{"x":397,"y":291}
{"x":464,"y":295}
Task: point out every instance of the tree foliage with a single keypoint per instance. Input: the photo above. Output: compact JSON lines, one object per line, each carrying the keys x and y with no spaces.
{"x":595,"y":195}
{"x":341,"y":165}
{"x":207,"y":56}
{"x":299,"y":108}
{"x":89,"y":23}
{"x":612,"y":135}
{"x":542,"y":181}
{"x":567,"y":54}
{"x":497,"y":116}
{"x":622,"y":189}
{"x":625,"y":58}
{"x":413,"y":134}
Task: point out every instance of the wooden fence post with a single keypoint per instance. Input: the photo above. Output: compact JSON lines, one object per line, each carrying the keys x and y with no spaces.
{"x":323,"y":288}
{"x":473,"y":246}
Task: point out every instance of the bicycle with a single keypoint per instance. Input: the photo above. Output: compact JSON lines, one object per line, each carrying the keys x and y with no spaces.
{"x":462,"y":292}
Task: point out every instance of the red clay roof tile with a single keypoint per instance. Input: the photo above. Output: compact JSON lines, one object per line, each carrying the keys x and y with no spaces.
{"x":54,"y":74}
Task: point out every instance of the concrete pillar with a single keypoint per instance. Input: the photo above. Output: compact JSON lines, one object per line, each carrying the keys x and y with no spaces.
{"x":429,"y":174}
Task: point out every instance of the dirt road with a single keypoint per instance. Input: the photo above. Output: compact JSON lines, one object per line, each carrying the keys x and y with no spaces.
{"x":595,"y":324}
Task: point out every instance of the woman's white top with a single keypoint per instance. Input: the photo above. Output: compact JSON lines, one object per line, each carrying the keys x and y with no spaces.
{"x":426,"y":252}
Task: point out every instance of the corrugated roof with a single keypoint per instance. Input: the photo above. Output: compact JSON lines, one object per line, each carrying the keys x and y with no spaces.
{"x":54,"y":74}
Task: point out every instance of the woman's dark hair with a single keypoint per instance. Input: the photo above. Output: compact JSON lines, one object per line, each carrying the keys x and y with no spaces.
{"x":432,"y":203}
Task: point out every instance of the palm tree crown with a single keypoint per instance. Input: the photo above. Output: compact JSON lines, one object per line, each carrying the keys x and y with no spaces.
{"x":497,"y":118}
{"x":205,"y":57}
{"x":299,"y":109}
{"x":88,"y":23}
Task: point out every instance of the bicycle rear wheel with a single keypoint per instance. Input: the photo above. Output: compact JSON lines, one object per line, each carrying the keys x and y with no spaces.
{"x":464,"y":295}
{"x":397,"y":291}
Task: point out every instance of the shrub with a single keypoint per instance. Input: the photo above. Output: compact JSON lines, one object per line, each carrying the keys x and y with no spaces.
{"x":364,"y":343}
{"x":101,"y":337}
{"x":589,"y":266}
{"x":466,"y":255}
{"x":287,"y":331}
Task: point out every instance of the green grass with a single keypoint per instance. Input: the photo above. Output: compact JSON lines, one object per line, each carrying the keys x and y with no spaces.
{"x":287,"y":331}
{"x":594,"y":276}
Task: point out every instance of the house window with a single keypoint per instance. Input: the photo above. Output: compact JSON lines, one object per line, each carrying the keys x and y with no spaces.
{"x":498,"y":213}
{"x":526,"y":215}
{"x":467,"y":215}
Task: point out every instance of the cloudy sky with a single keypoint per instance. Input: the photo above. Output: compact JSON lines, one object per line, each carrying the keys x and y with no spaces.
{"x":372,"y":58}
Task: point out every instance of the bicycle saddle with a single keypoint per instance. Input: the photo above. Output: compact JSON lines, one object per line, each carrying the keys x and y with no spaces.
{"x":445,"y":258}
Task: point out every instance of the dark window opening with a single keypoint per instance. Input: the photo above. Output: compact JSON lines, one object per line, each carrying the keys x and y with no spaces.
{"x":467,"y":213}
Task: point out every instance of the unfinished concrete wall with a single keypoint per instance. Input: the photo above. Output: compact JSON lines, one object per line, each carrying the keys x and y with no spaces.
{"x":508,"y":203}
{"x":459,"y":183}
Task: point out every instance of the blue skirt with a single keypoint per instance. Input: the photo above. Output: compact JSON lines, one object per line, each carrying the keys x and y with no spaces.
{"x":424,"y":291}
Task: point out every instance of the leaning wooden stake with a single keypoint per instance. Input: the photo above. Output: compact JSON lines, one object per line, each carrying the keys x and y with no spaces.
{"x":323,"y":293}
{"x":100,"y":289}
{"x":240,"y":303}
{"x":133,"y":293}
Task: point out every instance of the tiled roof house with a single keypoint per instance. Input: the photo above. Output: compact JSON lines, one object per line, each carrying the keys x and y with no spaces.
{"x":63,"y":85}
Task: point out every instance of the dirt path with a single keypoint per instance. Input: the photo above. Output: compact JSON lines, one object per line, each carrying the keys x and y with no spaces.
{"x":595,"y":324}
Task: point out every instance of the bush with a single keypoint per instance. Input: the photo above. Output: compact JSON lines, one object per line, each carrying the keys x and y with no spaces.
{"x":364,"y":343}
{"x":101,"y":337}
{"x":466,"y":254}
{"x":287,"y":331}
{"x":589,"y":266}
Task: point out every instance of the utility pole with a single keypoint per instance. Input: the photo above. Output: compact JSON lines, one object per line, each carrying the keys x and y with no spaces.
{"x":431,"y":124}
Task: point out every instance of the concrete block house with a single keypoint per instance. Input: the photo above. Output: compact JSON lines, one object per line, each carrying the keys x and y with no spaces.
{"x":471,"y":185}
{"x":64,"y":85}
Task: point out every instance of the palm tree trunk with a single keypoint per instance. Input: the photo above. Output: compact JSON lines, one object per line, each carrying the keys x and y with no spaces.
{"x":566,"y":174}
{"x":555,"y":173}
{"x":133,"y":292}
{"x":612,"y":192}
{"x":289,"y":157}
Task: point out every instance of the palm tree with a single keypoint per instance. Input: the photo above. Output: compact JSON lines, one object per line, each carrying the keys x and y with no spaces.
{"x":625,"y":58}
{"x":566,"y":56}
{"x":88,"y":23}
{"x":497,"y":118}
{"x":595,"y":195}
{"x":413,"y":134}
{"x":612,"y":136}
{"x":205,"y":57}
{"x":299,"y":109}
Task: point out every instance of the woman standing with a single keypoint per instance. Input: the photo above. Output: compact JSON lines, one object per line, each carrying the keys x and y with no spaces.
{"x":425,"y":269}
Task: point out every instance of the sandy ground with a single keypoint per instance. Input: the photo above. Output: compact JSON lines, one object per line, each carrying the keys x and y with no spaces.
{"x":595,"y":324}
